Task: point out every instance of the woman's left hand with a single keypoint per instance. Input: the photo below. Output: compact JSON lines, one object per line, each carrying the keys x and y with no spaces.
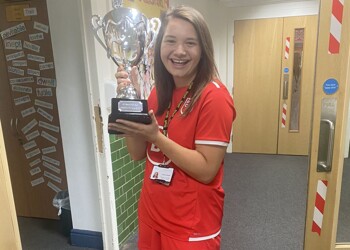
{"x":147,"y":132}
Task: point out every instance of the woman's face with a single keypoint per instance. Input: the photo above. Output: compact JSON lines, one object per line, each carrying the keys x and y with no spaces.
{"x":180,"y":51}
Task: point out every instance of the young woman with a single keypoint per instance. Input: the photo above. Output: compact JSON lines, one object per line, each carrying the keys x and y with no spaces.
{"x":181,"y":202}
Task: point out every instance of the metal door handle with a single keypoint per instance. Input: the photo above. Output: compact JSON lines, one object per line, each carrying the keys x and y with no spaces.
{"x":11,"y":125}
{"x":326,"y":165}
{"x":285,"y":86}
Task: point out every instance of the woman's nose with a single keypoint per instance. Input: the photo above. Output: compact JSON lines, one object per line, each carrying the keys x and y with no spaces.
{"x":180,"y":49}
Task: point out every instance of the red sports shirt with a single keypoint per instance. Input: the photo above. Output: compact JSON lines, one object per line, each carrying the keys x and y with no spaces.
{"x":187,"y":209}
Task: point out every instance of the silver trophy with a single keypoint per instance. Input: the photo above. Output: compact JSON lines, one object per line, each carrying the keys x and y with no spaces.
{"x":127,"y":34}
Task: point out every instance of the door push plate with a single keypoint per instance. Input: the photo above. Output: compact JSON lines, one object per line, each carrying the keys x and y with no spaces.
{"x":326,"y":137}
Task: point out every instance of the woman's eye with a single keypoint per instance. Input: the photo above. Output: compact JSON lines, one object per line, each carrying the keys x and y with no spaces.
{"x":169,"y":41}
{"x":191,"y":43}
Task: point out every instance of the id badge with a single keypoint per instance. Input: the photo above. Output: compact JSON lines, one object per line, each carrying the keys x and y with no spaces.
{"x":162,"y":174}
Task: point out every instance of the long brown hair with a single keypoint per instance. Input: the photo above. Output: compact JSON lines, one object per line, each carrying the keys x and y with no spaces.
{"x":206,"y":68}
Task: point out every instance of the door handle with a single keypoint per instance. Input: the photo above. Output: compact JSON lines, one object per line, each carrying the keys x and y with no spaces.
{"x":285,"y":86}
{"x":14,"y":129}
{"x":325,"y":147}
{"x":17,"y":126}
{"x":11,"y":125}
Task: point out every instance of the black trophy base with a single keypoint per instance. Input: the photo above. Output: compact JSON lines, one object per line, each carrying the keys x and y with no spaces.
{"x":135,"y":110}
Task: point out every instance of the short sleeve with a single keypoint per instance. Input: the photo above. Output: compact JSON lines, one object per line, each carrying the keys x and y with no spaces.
{"x":216,"y":117}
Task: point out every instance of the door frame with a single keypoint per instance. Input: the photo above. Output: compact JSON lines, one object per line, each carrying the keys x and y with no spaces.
{"x":96,"y":79}
{"x":324,"y":187}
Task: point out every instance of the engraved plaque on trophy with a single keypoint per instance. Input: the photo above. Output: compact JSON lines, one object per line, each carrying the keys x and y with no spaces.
{"x":127,"y":34}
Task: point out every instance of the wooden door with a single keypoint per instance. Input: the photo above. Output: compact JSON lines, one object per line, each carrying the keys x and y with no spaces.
{"x":28,"y":108}
{"x":260,"y":68}
{"x":257,"y":64}
{"x":297,"y":81}
{"x":331,"y":104}
{"x":9,"y":232}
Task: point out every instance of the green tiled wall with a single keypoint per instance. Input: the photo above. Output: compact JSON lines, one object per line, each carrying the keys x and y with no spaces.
{"x":127,"y":177}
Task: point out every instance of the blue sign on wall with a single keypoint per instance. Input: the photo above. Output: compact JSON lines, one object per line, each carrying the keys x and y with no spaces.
{"x":286,"y":70}
{"x":330,"y":86}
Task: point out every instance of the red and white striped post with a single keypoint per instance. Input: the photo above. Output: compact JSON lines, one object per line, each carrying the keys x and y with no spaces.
{"x":320,"y":202}
{"x":284,"y":115}
{"x":336,"y":26}
{"x":286,"y":50}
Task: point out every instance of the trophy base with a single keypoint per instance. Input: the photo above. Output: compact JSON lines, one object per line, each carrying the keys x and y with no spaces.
{"x":135,"y":110}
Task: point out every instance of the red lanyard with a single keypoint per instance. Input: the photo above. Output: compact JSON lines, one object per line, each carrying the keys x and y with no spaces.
{"x":167,"y":120}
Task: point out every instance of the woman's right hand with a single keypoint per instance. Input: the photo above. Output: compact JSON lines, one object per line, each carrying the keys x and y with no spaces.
{"x":123,"y":78}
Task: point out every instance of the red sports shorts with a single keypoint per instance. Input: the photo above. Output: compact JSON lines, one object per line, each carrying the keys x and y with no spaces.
{"x":150,"y":239}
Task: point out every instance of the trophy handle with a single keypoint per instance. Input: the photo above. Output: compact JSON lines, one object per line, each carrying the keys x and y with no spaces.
{"x":96,"y":25}
{"x":154,"y":29}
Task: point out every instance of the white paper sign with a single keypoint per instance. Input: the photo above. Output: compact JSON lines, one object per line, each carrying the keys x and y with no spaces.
{"x":13,"y":44}
{"x":35,"y":162}
{"x":12,"y":31}
{"x":43,"y":92}
{"x":37,"y":181}
{"x":35,"y":58}
{"x":49,"y":126}
{"x":44,"y":114}
{"x":14,"y":56}
{"x":19,"y":63}
{"x":28,"y":111}
{"x":33,"y":153}
{"x":22,"y":80}
{"x":43,"y":104}
{"x":32,"y":135}
{"x":49,"y":137}
{"x":29,"y":126}
{"x":52,"y":177}
{"x":51,"y":167}
{"x":36,"y":37}
{"x":41,"y":27}
{"x":22,"y":89}
{"x":50,"y":160}
{"x":53,"y":187}
{"x":44,"y":66}
{"x":29,"y":145}
{"x":35,"y":171}
{"x":46,"y":81}
{"x":48,"y":150}
{"x":16,"y":71}
{"x":22,"y":100}
{"x":30,"y":12}
{"x":31,"y":46}
{"x":33,"y":72}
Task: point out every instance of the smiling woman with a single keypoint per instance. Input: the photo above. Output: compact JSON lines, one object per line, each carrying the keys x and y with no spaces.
{"x":184,"y":146}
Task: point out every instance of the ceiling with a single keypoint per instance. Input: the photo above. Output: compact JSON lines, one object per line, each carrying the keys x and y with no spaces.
{"x":242,"y":3}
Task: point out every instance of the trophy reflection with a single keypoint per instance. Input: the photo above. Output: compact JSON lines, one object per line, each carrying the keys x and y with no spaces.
{"x":127,"y":34}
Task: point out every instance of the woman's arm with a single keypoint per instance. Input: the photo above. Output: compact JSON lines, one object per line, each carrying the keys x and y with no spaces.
{"x":136,"y":147}
{"x":201,"y":163}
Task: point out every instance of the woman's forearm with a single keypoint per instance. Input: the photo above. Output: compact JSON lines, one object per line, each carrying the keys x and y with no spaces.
{"x":136,"y":147}
{"x":201,"y":163}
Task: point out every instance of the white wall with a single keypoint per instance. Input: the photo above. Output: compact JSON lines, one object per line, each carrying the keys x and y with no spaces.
{"x":75,"y":114}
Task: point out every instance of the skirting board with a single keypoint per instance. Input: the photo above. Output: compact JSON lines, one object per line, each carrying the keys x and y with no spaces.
{"x":85,"y":238}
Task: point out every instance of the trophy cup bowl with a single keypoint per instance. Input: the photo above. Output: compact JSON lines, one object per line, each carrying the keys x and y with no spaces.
{"x":127,"y":34}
